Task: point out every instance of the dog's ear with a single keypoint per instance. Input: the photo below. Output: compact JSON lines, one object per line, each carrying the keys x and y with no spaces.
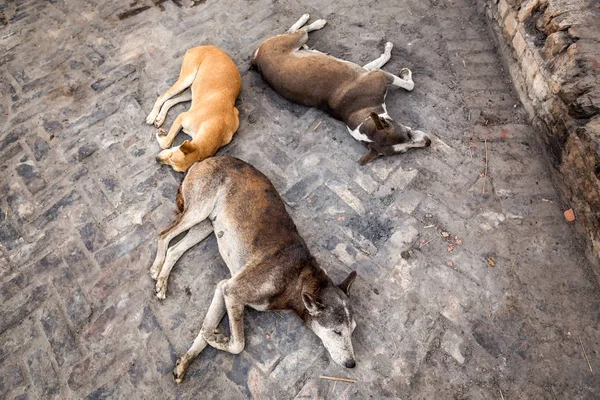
{"x":377,"y":121}
{"x":370,"y":156}
{"x":187,"y":147}
{"x":312,"y":305}
{"x":345,"y":285}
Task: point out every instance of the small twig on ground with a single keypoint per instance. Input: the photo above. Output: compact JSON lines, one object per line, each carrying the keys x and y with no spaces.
{"x":465,"y":64}
{"x":425,"y":242}
{"x":501,"y":395}
{"x":585,"y":355}
{"x":315,"y":128}
{"x":486,"y":167}
{"x":332,"y":378}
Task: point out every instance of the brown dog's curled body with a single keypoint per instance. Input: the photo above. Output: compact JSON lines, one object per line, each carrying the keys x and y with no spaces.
{"x":270,"y":264}
{"x":211,"y":121}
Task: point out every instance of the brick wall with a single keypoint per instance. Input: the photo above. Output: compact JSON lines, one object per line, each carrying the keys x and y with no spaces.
{"x":552,"y":48}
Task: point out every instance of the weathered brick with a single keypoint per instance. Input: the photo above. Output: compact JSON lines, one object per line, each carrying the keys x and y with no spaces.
{"x":30,"y":176}
{"x":79,"y":265}
{"x":115,"y":76}
{"x":21,"y":306}
{"x":39,"y":146}
{"x":510,"y":25}
{"x":99,"y":365}
{"x":503,"y":8}
{"x":9,"y":138}
{"x":43,"y":375}
{"x":125,"y":244}
{"x":62,"y":341}
{"x":59,"y":208}
{"x":92,"y":237}
{"x":9,"y":236}
{"x":519,"y":43}
{"x":15,"y":285}
{"x":10,"y":376}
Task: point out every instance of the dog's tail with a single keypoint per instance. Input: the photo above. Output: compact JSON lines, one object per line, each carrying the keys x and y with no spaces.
{"x":179,"y":199}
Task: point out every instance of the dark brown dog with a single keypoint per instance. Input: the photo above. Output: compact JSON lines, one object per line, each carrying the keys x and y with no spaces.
{"x":349,"y":92}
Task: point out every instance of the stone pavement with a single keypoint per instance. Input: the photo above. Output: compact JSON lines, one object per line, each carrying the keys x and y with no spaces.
{"x":470,"y":286}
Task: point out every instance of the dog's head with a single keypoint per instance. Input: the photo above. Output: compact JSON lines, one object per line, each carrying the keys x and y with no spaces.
{"x":330,"y":318}
{"x":389,"y":137}
{"x":180,"y":157}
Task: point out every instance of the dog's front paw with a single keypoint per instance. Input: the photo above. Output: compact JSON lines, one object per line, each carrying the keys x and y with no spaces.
{"x":161,"y":132}
{"x":180,"y":369}
{"x":150,"y":118}
{"x":318,"y":24}
{"x":163,"y":139}
{"x":406,"y":74}
{"x":388,"y":47}
{"x":161,"y":288}
{"x":159,"y":121}
{"x":155,"y":269}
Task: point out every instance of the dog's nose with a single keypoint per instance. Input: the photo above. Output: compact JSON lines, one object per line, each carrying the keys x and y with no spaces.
{"x":427,"y":142}
{"x":157,"y":158}
{"x":350,"y":364}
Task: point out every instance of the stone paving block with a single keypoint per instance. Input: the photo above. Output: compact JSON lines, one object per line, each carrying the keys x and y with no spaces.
{"x":98,"y":367}
{"x":42,"y":373}
{"x":19,"y":307}
{"x":62,"y":340}
{"x":10,"y":376}
{"x":18,"y":336}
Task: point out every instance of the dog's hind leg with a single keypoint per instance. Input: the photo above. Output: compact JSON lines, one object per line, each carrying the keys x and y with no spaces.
{"x":186,"y":221}
{"x":299,"y":24}
{"x":189,"y":69}
{"x":382,"y":60}
{"x":185,"y":96}
{"x":215,"y":314}
{"x":194,"y":236}
{"x":315,"y":26}
{"x":235,"y":313}
{"x":404,"y":80}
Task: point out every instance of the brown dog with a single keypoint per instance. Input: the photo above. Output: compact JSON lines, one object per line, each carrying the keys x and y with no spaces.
{"x":212,"y":119}
{"x":270,"y":264}
{"x":347,"y":91}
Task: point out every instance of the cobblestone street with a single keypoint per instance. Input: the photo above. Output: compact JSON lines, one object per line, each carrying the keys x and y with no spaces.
{"x":470,"y":286}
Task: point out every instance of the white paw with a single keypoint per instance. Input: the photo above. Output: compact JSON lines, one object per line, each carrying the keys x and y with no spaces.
{"x":161,"y":288}
{"x":406,"y":74}
{"x":150,"y":119}
{"x":180,"y":370}
{"x":154,"y":270}
{"x":161,"y":138}
{"x":159,"y":121}
{"x":318,"y":24}
{"x":388,"y":47}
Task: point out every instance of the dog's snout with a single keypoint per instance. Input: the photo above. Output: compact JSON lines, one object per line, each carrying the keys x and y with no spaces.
{"x":350,"y":364}
{"x":427,"y":142}
{"x":158,"y":159}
